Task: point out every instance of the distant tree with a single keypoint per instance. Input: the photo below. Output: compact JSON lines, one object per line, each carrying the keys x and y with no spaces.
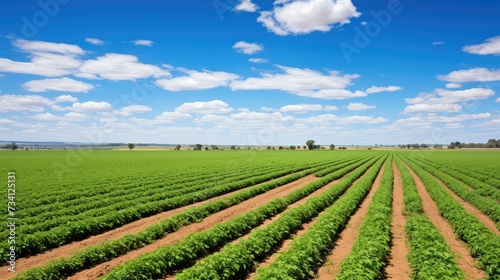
{"x":214,"y":147}
{"x":280,"y":148}
{"x":408,"y":146}
{"x":198,"y":147}
{"x":304,"y":147}
{"x":274,"y":148}
{"x":206,"y":148}
{"x":177,"y":147}
{"x":310,"y":144}
{"x":268,"y":148}
{"x":298,"y":147}
{"x":131,"y":146}
{"x":233,"y":148}
{"x":332,"y":147}
{"x":423,"y":146}
{"x":292,"y":148}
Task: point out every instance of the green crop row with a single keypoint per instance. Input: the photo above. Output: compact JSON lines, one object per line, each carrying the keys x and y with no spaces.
{"x":430,"y":256}
{"x":307,"y":251}
{"x":479,"y":186}
{"x":372,"y":245}
{"x":167,"y":259}
{"x":339,"y":165}
{"x":483,"y":244}
{"x":484,"y":204}
{"x":236,"y":261}
{"x":42,"y":241}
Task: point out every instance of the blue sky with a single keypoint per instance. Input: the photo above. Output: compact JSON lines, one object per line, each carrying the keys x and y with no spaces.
{"x":248,"y":72}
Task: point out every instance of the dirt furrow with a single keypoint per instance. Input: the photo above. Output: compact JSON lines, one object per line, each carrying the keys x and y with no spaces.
{"x":66,"y":251}
{"x":459,"y":248}
{"x":344,"y":243}
{"x":398,"y":267}
{"x":207,"y":223}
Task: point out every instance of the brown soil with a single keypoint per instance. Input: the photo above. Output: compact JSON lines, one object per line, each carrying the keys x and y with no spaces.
{"x":398,"y":267}
{"x":487,"y":221}
{"x":346,"y":240}
{"x":459,"y":248}
{"x":207,"y":223}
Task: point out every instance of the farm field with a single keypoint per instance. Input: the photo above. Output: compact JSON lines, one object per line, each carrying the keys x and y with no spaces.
{"x":248,"y":214}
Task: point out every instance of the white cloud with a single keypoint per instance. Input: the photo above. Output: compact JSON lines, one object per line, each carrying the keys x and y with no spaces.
{"x":453,"y":125}
{"x":375,"y":89}
{"x":195,"y":80}
{"x":364,"y":23}
{"x":498,"y":100}
{"x":247,"y":48}
{"x":62,"y":84}
{"x":302,"y":82}
{"x":491,"y":46}
{"x":266,"y":109}
{"x":437,"y":43}
{"x":453,"y":85}
{"x":165,"y":117}
{"x":330,"y":108}
{"x":301,"y":108}
{"x":258,"y":60}
{"x":359,"y":107}
{"x":333,"y":119}
{"x":34,"y":103}
{"x":306,"y":16}
{"x":91,"y":106}
{"x":70,"y":117}
{"x":66,"y":98}
{"x":114,"y":66}
{"x":205,"y":108}
{"x":432,"y":108}
{"x":47,"y":59}
{"x":246,"y":6}
{"x":471,"y":75}
{"x":40,"y":46}
{"x":147,"y":43}
{"x":94,"y":41}
{"x":133,"y":109}
{"x":442,"y":96}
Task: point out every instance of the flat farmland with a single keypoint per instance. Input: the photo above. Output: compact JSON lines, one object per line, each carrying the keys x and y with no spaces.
{"x":246,"y":214}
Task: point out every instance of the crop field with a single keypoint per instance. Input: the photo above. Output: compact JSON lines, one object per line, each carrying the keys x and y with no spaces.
{"x":244,"y":214}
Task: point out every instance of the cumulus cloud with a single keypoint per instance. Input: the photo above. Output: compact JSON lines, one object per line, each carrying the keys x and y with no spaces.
{"x":301,"y":108}
{"x":133,"y":109}
{"x":33,"y":103}
{"x":491,"y":46}
{"x":246,"y":6}
{"x":266,"y":109}
{"x":69,"y":117}
{"x":306,"y":16}
{"x":94,"y":41}
{"x":205,"y":108}
{"x":247,"y":48}
{"x":437,"y":43}
{"x":258,"y":60}
{"x":498,"y":100}
{"x":91,"y":106}
{"x":477,"y":74}
{"x":114,"y":66}
{"x":66,"y":98}
{"x":453,"y":85}
{"x":359,"y":107}
{"x":333,"y":119}
{"x":442,"y":96}
{"x":195,"y":80}
{"x":41,"y":46}
{"x":165,"y":117}
{"x":375,"y":89}
{"x":432,"y":108}
{"x":62,"y":84}
{"x":146,"y":43}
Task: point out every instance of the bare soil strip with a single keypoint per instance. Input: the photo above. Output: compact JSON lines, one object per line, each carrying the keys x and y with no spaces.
{"x":346,"y":240}
{"x":66,"y":251}
{"x":398,"y":267}
{"x":207,"y":223}
{"x":487,"y":221}
{"x":459,"y":248}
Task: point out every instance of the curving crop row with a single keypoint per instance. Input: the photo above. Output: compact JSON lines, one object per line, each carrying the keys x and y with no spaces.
{"x":236,"y":261}
{"x":167,"y":259}
{"x":372,"y":245}
{"x":307,"y":252}
{"x":430,"y":255}
{"x":484,"y":204}
{"x":483,"y":244}
{"x":479,"y":186}
{"x":42,"y":241}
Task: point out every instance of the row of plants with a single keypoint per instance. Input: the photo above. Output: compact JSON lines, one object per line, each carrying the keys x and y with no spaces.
{"x":108,"y":250}
{"x":237,"y":260}
{"x":486,"y":205}
{"x":73,"y":230}
{"x":429,"y":255}
{"x":340,"y":165}
{"x":483,"y":244}
{"x":479,"y":186}
{"x":370,"y":251}
{"x":308,"y":251}
{"x":171,"y":258}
